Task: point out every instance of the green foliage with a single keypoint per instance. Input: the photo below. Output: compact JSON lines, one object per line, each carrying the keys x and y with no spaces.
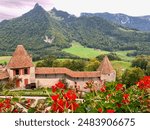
{"x":1,"y":86}
{"x":111,"y":56}
{"x":47,"y":62}
{"x":147,"y":72}
{"x":141,"y":62}
{"x":112,"y":99}
{"x":132,"y":76}
{"x":92,"y":65}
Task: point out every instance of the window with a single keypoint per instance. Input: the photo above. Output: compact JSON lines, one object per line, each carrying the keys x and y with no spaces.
{"x":26,"y":71}
{"x":17,"y":71}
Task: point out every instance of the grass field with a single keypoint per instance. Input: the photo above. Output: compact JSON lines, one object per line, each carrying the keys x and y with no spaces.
{"x":121,"y":65}
{"x":123,"y":55}
{"x":4,"y":59}
{"x":85,"y":52}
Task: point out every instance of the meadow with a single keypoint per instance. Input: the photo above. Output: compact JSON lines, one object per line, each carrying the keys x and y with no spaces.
{"x":85,"y":52}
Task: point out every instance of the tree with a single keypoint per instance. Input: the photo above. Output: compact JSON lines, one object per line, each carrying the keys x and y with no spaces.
{"x":131,"y":76}
{"x":47,"y":62}
{"x":147,"y":72}
{"x":111,"y":56}
{"x":141,"y":62}
{"x":92,"y":65}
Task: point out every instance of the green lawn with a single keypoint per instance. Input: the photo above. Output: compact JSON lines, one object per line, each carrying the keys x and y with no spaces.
{"x":4,"y":59}
{"x":83,"y":52}
{"x":27,"y":92}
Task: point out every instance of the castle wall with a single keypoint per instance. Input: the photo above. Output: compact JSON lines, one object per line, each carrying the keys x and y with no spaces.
{"x":50,"y":80}
{"x":109,"y":77}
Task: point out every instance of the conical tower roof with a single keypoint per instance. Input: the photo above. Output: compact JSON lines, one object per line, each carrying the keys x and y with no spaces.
{"x":105,"y":67}
{"x":20,"y":58}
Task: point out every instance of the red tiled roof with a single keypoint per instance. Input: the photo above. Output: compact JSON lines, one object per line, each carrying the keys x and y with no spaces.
{"x":105,"y":67}
{"x":20,"y":58}
{"x":4,"y":75}
{"x":75,"y":74}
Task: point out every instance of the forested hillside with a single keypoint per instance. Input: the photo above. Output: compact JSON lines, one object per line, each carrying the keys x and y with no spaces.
{"x":45,"y":33}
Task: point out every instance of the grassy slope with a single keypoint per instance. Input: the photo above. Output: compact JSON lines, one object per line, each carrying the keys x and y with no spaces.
{"x":121,"y":65}
{"x":84,"y":52}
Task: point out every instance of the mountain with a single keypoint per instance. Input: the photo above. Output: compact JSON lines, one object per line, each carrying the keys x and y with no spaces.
{"x":139,"y":23}
{"x":47,"y":33}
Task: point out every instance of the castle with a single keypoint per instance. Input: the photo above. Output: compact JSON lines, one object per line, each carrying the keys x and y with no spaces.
{"x":22,"y":68}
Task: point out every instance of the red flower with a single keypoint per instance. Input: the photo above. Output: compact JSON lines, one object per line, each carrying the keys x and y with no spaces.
{"x":74,"y":106}
{"x":29,"y":101}
{"x":60,"y":85}
{"x":71,"y":95}
{"x":100,"y":110}
{"x":15,"y":111}
{"x":60,"y":105}
{"x":54,"y":107}
{"x":1,"y":104}
{"x":7,"y":101}
{"x":125,"y":101}
{"x":119,"y":105}
{"x":125,"y":96}
{"x":110,"y":111}
{"x":119,"y":87}
{"x":103,"y":89}
{"x":55,"y":97}
{"x":144,"y":83}
{"x":8,"y":106}
{"x":54,"y":88}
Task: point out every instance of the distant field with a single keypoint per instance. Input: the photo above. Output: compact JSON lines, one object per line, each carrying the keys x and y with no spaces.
{"x":4,"y":59}
{"x":121,"y":65}
{"x":85,"y":52}
{"x":123,"y":55}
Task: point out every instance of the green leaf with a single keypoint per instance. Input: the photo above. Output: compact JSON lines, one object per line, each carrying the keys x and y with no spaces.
{"x":31,"y":110}
{"x":15,"y":99}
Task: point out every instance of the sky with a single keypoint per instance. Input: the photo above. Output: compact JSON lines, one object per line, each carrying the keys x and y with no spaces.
{"x":14,"y":8}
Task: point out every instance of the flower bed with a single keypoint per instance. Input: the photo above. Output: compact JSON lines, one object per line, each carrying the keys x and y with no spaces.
{"x":110,"y":98}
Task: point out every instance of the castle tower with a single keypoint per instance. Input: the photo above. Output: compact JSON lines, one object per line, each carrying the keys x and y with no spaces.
{"x":107,"y":71}
{"x":21,"y":67}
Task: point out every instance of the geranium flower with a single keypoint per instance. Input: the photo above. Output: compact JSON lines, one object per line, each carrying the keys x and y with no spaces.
{"x":125,"y":96}
{"x":71,"y":95}
{"x":119,"y":105}
{"x":119,"y":87}
{"x":110,"y":111}
{"x":125,"y":101}
{"x":54,"y":88}
{"x":54,"y":107}
{"x":60,"y":85}
{"x":103,"y":89}
{"x":100,"y":110}
{"x":144,"y":83}
{"x":55,"y":97}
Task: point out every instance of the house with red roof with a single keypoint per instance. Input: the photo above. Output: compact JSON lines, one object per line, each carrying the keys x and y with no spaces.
{"x":22,"y":68}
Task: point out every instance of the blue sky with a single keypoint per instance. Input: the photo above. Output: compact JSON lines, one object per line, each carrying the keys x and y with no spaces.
{"x":13,"y":8}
